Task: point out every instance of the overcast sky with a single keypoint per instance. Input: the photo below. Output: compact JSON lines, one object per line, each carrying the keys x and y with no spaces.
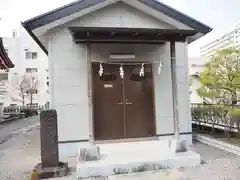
{"x":221,"y":15}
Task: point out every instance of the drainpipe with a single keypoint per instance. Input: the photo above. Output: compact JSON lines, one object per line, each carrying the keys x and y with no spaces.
{"x":89,"y":77}
{"x":174,"y":89}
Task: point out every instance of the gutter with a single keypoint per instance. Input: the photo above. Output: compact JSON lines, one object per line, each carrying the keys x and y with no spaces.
{"x":34,"y":37}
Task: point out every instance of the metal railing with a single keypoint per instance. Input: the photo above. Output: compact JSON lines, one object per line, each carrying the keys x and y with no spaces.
{"x":19,"y":109}
{"x":216,"y":116}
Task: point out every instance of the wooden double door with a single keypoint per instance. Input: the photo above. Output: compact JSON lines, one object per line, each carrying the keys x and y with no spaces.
{"x":123,"y":107}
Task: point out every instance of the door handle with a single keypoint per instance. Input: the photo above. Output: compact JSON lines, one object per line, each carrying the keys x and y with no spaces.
{"x":129,"y":103}
{"x":120,"y":103}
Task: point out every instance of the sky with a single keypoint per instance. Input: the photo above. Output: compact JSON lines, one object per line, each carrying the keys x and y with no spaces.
{"x":221,"y":15}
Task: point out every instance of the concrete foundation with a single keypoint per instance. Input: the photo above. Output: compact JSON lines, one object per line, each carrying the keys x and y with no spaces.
{"x":124,"y":158}
{"x":89,"y":153}
{"x":177,"y":146}
{"x":51,"y":172}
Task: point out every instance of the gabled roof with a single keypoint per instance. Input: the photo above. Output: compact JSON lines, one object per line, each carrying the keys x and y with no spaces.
{"x":5,"y":62}
{"x":79,"y":5}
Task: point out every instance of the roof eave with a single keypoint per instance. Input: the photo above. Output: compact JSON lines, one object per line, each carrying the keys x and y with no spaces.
{"x":6,"y":63}
{"x":46,"y":18}
{"x":196,"y":37}
{"x":25,"y":25}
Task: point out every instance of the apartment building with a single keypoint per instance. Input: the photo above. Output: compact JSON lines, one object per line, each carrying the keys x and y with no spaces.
{"x":28,"y":58}
{"x":230,"y":39}
{"x":196,"y":66}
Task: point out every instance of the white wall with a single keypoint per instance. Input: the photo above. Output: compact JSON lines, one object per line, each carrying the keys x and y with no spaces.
{"x":194,"y":97}
{"x":163,"y":94}
{"x":16,"y":51}
{"x":68,"y":69}
{"x":183,"y":87}
{"x":196,"y":66}
{"x":119,"y":15}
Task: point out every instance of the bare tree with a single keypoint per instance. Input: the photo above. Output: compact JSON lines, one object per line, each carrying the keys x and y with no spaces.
{"x":32,"y":90}
{"x":25,"y":87}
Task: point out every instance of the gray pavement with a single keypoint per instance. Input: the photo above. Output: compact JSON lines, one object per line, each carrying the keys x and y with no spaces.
{"x":13,"y":128}
{"x":20,"y":153}
{"x":209,"y":153}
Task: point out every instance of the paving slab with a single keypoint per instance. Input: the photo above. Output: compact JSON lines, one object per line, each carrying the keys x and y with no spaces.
{"x":220,"y":169}
{"x":167,"y":174}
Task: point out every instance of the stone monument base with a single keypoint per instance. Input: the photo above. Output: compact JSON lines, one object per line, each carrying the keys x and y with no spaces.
{"x":51,"y":172}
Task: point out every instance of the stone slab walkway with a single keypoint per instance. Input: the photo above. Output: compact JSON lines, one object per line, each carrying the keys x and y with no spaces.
{"x":168,"y":174}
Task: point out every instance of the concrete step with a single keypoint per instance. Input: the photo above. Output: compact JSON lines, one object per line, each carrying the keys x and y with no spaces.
{"x":124,"y":158}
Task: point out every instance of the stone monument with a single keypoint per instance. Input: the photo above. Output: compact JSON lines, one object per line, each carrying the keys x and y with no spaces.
{"x":50,"y":165}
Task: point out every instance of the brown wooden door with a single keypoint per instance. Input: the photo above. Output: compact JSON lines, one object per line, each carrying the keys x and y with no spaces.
{"x":123,"y":108}
{"x":138,"y":92}
{"x":108,"y":104}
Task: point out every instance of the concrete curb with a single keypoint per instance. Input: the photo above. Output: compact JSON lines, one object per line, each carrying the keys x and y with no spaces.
{"x":5,"y":121}
{"x":218,"y":144}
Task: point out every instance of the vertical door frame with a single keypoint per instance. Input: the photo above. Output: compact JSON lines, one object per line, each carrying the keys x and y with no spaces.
{"x":154,"y":100}
{"x":90,"y":94}
{"x":124,"y":105}
{"x":174,"y":89}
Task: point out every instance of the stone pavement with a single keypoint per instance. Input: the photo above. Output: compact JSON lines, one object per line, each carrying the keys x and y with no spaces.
{"x":168,"y":174}
{"x":21,"y":153}
{"x":18,"y":156}
{"x":220,"y":169}
{"x":13,"y":128}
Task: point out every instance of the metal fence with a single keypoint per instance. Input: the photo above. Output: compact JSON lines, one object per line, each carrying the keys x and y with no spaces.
{"x":216,"y":116}
{"x":19,"y":109}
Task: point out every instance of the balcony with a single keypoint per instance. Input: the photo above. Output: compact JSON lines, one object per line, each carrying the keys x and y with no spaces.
{"x":3,"y":82}
{"x":3,"y":87}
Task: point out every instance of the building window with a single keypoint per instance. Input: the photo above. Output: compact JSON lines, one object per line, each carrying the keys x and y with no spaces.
{"x":31,"y":70}
{"x":32,"y":106}
{"x":6,"y":51}
{"x":32,"y":91}
{"x":31,"y":55}
{"x":197,"y":65}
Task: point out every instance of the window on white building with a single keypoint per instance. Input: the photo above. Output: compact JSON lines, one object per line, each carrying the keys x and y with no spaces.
{"x":32,"y":91}
{"x":31,"y":55}
{"x":32,"y":106}
{"x":197,"y":65}
{"x":31,"y":70}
